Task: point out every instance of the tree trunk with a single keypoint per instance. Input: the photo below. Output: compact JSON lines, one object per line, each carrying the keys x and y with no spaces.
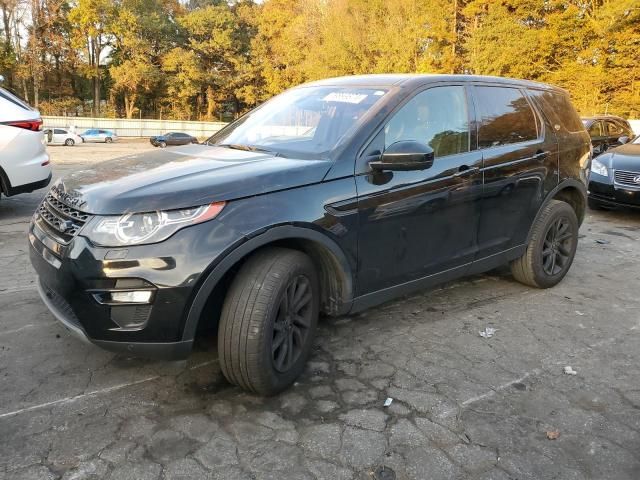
{"x":211,"y":103}
{"x":130,"y":104}
{"x":6,"y":18}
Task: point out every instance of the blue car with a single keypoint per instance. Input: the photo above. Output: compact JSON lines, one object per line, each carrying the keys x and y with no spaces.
{"x":99,"y":135}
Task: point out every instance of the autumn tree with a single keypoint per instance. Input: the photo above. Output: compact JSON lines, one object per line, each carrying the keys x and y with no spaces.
{"x":89,"y":23}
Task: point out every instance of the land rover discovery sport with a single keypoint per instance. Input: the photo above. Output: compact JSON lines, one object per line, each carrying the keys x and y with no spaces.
{"x":328,"y":199}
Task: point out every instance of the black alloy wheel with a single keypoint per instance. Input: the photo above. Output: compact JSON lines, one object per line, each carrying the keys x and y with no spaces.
{"x":556,"y":250}
{"x":552,"y":245}
{"x":268,"y":320}
{"x":292,"y":324}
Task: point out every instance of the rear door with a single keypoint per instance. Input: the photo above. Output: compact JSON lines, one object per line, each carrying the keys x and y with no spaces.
{"x":59,"y":135}
{"x":519,"y":162}
{"x":414,"y":224}
{"x":598,"y":137}
{"x":614,"y":132}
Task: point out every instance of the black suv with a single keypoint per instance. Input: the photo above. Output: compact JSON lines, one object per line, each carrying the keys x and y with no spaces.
{"x":330,"y":198}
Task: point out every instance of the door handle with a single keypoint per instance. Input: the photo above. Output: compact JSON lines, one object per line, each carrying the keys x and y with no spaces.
{"x":465,"y":171}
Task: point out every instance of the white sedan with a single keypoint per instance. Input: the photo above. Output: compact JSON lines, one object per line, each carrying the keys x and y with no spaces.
{"x":61,"y":136}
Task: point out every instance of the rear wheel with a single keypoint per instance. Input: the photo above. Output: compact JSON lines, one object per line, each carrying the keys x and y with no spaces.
{"x":268,"y":321}
{"x":69,"y":142}
{"x":108,"y":140}
{"x":550,"y":251}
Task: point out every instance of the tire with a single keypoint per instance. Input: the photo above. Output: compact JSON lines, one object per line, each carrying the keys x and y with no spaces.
{"x":69,"y":142}
{"x":552,"y":247}
{"x":254,"y":316}
{"x":162,"y":144}
{"x":108,"y":140}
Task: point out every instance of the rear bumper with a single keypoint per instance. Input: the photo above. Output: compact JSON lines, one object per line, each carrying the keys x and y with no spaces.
{"x":63,"y":312}
{"x":10,"y":190}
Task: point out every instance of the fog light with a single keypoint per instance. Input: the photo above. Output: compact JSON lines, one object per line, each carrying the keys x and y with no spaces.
{"x":131,"y":297}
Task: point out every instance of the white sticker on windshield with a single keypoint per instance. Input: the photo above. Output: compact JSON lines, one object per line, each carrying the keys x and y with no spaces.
{"x":377,"y":93}
{"x":345,"y":97}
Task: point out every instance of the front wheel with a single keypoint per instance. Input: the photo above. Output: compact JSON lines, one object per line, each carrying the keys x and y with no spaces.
{"x":550,"y":251}
{"x":108,"y":140}
{"x":162,"y":144}
{"x":268,"y":321}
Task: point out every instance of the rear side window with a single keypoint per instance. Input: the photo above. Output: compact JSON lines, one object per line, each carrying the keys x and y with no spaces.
{"x":614,"y":129}
{"x":559,"y":110}
{"x":437,"y":117}
{"x":505,"y":117}
{"x":57,"y":131}
{"x":595,"y":130}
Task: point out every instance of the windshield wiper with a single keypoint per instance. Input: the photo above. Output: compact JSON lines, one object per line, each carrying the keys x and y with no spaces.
{"x":248,"y":148}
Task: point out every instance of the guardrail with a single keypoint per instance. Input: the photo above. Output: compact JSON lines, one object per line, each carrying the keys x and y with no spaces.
{"x":135,"y":127}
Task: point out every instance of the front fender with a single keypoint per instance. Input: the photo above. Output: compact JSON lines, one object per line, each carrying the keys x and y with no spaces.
{"x":252,"y":243}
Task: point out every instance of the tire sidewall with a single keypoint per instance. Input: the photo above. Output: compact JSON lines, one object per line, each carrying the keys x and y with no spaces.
{"x":278,"y":381}
{"x":559,"y":210}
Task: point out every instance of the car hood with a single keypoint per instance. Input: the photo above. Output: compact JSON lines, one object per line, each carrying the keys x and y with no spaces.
{"x":626,"y":157}
{"x":183,"y":177}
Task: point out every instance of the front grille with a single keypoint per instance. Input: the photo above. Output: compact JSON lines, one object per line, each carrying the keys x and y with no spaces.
{"x":61,"y":220}
{"x":623,"y":177}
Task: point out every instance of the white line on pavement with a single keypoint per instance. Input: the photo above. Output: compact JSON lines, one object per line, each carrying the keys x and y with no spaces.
{"x":62,"y":401}
{"x":490,"y":393}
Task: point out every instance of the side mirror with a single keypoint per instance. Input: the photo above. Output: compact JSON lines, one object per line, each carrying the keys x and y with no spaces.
{"x":405,"y":155}
{"x":623,"y":139}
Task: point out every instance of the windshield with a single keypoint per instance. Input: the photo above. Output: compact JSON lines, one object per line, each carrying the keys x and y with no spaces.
{"x":304,"y":122}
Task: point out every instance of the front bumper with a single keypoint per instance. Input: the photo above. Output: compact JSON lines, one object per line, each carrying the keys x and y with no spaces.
{"x":602,"y":190}
{"x":72,"y":279}
{"x":65,"y":315}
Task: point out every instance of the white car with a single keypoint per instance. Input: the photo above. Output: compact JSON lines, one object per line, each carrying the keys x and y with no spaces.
{"x":61,"y":136}
{"x":24,"y":162}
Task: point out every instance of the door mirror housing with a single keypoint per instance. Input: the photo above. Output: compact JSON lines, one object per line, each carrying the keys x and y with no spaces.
{"x":405,"y":155}
{"x":623,"y":140}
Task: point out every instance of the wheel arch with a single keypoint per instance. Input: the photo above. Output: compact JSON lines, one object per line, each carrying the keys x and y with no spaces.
{"x":570,"y":191}
{"x":334,"y":270}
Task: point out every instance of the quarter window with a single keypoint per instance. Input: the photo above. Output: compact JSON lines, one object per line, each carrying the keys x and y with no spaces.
{"x":613,"y":129}
{"x":437,"y":117}
{"x":505,"y":117}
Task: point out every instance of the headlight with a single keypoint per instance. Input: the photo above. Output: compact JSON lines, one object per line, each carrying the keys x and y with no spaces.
{"x":599,"y":168}
{"x":142,"y":228}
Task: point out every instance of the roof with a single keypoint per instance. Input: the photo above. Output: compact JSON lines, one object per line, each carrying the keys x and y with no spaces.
{"x":397,"y":79}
